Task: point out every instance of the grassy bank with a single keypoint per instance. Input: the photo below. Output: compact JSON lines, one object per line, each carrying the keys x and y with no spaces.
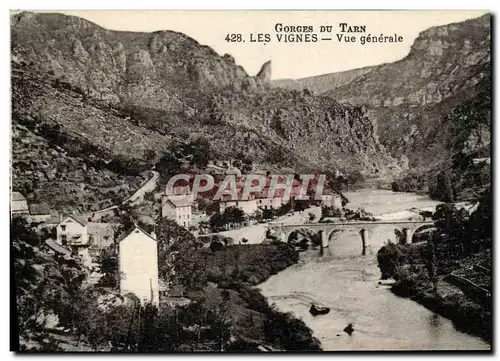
{"x":450,"y":273}
{"x":223,"y":280}
{"x":468,"y":309}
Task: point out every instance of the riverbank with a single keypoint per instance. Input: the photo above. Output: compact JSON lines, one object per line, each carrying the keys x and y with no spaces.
{"x":223,"y":280}
{"x":466,"y":315}
{"x":348,"y":283}
{"x":469,"y":314}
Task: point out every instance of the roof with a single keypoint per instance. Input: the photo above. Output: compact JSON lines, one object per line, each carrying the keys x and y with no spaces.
{"x":141,"y":230}
{"x":82,"y":221}
{"x":183,"y":202}
{"x":16,"y":196}
{"x":54,"y":219}
{"x":57,"y":247}
{"x":39,"y":209}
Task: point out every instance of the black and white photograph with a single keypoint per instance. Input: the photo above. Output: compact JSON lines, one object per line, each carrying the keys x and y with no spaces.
{"x":211,"y":181}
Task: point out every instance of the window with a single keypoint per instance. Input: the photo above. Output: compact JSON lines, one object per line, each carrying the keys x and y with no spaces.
{"x":63,"y":227}
{"x":64,"y":240}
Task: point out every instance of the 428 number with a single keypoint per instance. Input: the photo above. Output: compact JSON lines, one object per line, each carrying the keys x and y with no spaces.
{"x":234,"y":38}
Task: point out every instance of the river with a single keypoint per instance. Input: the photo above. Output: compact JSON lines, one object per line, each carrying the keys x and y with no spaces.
{"x":347,"y":282}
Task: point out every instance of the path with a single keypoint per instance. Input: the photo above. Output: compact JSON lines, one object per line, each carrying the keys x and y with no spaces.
{"x":257,"y":233}
{"x":147,"y":187}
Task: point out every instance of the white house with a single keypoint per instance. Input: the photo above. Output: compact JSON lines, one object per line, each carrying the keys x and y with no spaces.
{"x":268,"y":203}
{"x":18,"y":204}
{"x":178,"y":210}
{"x":138,"y":259}
{"x":72,"y":233}
{"x":84,"y":238}
{"x":332,"y":200}
{"x":72,"y":230}
{"x":248,"y":206}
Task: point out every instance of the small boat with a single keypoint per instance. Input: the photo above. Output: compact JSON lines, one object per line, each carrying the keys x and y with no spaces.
{"x":318,"y":310}
{"x":349,"y":329}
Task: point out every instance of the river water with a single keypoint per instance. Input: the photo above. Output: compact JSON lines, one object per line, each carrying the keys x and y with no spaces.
{"x":347,"y":282}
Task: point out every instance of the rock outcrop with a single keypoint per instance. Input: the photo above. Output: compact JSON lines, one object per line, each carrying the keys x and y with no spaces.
{"x":410,"y":100}
{"x":170,"y":85}
{"x":264,"y":74}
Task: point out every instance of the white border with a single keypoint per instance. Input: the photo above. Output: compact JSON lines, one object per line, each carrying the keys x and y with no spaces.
{"x":187,"y":4}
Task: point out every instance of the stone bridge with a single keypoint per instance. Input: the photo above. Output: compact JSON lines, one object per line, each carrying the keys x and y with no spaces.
{"x":325,"y":230}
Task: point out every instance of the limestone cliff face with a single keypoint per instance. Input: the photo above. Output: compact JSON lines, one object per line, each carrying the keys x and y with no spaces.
{"x":141,"y":68}
{"x":174,"y":89}
{"x":264,"y":74}
{"x":408,"y":100}
{"x":322,"y":83}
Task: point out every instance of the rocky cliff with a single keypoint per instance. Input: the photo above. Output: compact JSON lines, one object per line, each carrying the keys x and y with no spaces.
{"x":322,"y":83}
{"x":134,"y":94}
{"x":409,"y":100}
{"x":138,"y":68}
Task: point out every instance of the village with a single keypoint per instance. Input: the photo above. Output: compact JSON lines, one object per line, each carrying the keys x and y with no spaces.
{"x":86,"y":236}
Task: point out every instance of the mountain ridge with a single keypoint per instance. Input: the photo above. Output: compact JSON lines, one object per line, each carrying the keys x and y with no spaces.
{"x":408,"y":98}
{"x":76,"y":80}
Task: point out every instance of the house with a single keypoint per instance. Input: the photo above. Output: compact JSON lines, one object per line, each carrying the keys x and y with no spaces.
{"x":248,"y":206}
{"x":138,"y":265}
{"x":477,"y":161}
{"x":39,"y":212}
{"x":72,"y":233}
{"x":178,"y":210}
{"x":266,"y":201}
{"x":18,"y":204}
{"x":333,"y":200}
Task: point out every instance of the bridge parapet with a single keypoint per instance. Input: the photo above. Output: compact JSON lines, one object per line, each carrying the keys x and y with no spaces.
{"x":326,"y":229}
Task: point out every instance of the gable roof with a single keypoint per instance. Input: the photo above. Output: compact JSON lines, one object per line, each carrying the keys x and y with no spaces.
{"x":184,"y":202}
{"x":98,"y":229}
{"x":57,"y":247}
{"x":82,"y":221}
{"x":16,"y":196}
{"x":137,"y":228}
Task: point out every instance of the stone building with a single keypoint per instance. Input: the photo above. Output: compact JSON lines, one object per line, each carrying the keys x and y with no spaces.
{"x":178,"y":210}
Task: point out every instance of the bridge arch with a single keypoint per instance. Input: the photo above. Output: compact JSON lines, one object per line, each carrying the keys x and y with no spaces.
{"x":420,"y":232}
{"x":303,"y":231}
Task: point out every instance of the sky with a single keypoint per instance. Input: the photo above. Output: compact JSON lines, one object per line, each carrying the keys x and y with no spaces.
{"x":289,"y":60}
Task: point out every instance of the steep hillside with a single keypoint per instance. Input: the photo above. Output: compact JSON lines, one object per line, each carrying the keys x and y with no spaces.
{"x":62,"y":150}
{"x":322,"y":83}
{"x":147,"y":69}
{"x":409,"y":99}
{"x":129,"y":97}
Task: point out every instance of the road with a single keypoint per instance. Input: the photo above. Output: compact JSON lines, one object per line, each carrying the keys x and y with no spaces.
{"x":148,"y":186}
{"x":257,"y":232}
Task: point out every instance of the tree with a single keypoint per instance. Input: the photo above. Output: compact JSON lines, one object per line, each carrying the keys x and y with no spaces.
{"x":108,"y":262}
{"x":230,"y":216}
{"x":173,"y":239}
{"x":149,"y":155}
{"x":168,"y":165}
{"x":443,"y":189}
{"x":355,"y":177}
